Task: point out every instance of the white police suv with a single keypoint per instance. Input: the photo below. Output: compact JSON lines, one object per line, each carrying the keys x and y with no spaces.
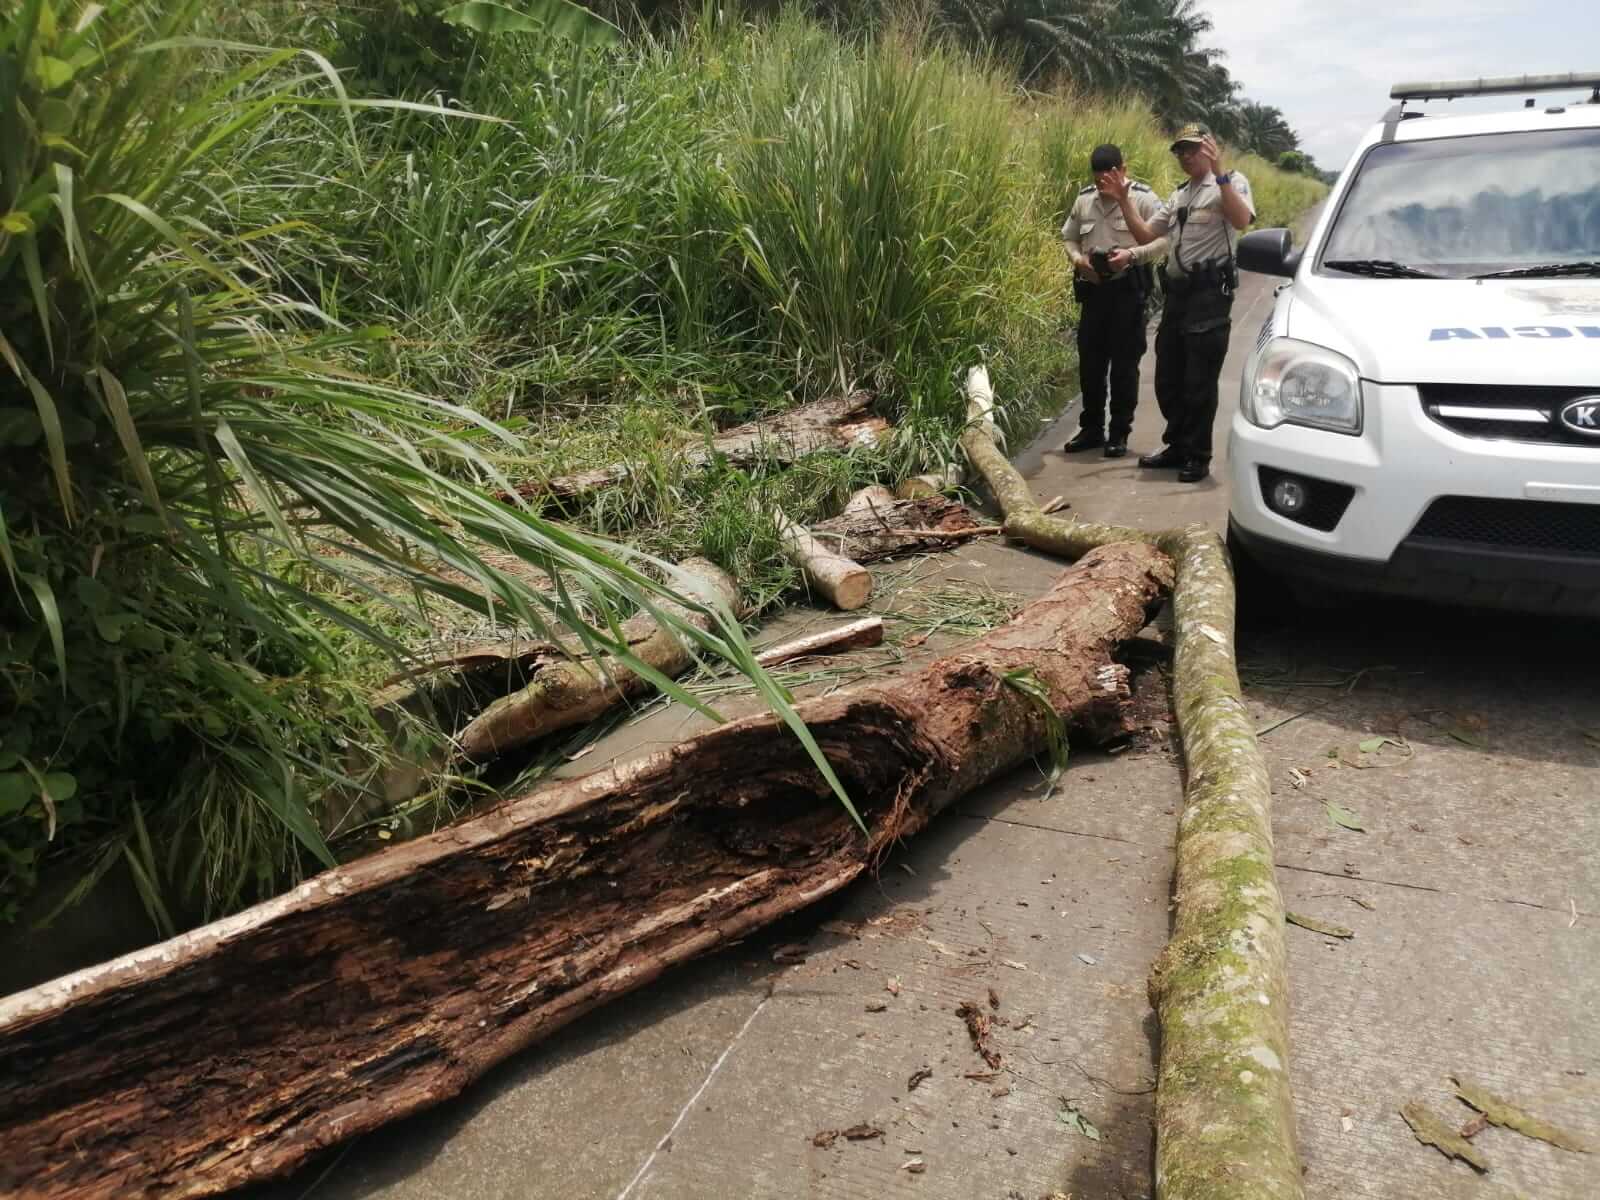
{"x":1421,"y":412}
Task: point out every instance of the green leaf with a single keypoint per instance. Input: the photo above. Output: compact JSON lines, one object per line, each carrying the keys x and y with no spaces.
{"x":50,"y":418}
{"x":561,"y":18}
{"x":115,"y":398}
{"x":53,"y":73}
{"x":61,"y":786}
{"x":16,"y":789}
{"x":19,"y":427}
{"x":112,"y":626}
{"x":1343,"y":817}
{"x":17,"y":223}
{"x":1069,"y":1115}
{"x":46,"y":596}
{"x":1373,"y":745}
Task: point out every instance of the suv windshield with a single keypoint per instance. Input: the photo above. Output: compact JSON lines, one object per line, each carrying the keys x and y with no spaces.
{"x":1459,"y":207}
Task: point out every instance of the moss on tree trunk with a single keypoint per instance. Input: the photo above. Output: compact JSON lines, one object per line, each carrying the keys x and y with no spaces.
{"x":1224,"y":1109}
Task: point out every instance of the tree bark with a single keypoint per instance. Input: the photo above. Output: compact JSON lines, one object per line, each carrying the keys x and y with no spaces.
{"x":903,"y":527}
{"x":1224,"y":1108}
{"x":231,"y":1053}
{"x":846,"y":583}
{"x":836,"y":423}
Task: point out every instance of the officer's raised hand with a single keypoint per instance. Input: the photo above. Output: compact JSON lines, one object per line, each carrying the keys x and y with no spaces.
{"x":1209,"y":153}
{"x":1113,"y":183}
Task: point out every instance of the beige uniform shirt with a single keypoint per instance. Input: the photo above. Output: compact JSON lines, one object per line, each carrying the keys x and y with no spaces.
{"x":1205,"y":234}
{"x":1096,"y":223}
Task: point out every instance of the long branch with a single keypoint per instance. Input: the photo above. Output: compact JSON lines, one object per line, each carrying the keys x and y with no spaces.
{"x":1224,"y":1108}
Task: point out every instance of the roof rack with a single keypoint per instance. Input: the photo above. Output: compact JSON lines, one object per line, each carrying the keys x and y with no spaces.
{"x":1451,"y":89}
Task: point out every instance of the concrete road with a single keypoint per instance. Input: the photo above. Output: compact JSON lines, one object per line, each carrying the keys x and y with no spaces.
{"x":1470,"y":889}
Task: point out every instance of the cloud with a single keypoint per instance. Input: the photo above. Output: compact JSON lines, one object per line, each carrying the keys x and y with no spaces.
{"x":1329,"y":64}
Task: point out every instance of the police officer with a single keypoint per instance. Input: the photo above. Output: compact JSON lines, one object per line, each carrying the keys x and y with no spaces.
{"x":1111,"y":284}
{"x":1199,"y":279}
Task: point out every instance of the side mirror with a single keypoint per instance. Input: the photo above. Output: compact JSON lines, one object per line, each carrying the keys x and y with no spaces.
{"x":1269,"y":252}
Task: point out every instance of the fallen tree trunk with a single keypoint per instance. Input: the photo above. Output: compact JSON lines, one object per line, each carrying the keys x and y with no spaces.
{"x":836,"y":423}
{"x":192,"y":1067}
{"x":1224,"y":1108}
{"x":845,"y":582}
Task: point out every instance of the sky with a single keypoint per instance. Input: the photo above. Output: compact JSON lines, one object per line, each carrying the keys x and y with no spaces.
{"x":1329,"y":64}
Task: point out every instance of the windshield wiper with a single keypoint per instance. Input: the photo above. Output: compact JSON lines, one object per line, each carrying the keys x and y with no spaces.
{"x":1378,"y":268}
{"x":1545,"y":271}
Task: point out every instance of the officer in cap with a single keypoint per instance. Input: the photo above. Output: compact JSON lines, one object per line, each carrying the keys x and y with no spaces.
{"x":1199,"y":279}
{"x":1111,"y":284}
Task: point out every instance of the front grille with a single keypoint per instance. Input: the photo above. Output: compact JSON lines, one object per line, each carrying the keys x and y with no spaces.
{"x":1513,"y":524}
{"x":1479,"y":410}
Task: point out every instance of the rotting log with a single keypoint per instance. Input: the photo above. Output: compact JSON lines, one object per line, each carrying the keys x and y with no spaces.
{"x":836,"y":423}
{"x":378,"y":988}
{"x":845,"y":582}
{"x":1224,"y":1108}
{"x":573,"y":691}
{"x":903,"y":527}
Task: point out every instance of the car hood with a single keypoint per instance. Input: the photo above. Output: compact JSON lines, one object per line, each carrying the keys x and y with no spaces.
{"x":1507,"y":331}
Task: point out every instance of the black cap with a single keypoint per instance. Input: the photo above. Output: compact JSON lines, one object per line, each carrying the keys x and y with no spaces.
{"x":1105,"y":158}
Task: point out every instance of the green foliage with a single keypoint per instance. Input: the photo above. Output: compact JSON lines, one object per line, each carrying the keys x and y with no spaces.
{"x":188,"y":455}
{"x":1295,"y":162}
{"x":269,"y":353}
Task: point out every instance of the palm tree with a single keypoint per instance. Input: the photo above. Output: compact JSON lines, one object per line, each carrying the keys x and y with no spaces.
{"x":1263,"y":131}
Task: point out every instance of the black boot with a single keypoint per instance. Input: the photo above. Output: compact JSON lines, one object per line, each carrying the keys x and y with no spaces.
{"x":1116,"y":447}
{"x":1194,"y":470}
{"x":1161,"y":459}
{"x":1087,"y":439}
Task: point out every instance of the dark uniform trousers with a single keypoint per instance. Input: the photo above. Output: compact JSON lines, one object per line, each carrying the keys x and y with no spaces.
{"x":1111,"y":337}
{"x":1191,"y":342}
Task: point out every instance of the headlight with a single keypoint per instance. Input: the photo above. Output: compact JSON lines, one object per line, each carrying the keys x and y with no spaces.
{"x":1301,"y":384}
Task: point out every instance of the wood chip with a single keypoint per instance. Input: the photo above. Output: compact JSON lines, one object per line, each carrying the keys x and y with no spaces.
{"x":1431,"y":1131}
{"x":1509,"y":1116}
{"x":861,"y":1133}
{"x":978,"y":1026}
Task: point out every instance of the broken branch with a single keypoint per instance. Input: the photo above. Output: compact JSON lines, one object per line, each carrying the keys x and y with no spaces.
{"x":1220,"y":986}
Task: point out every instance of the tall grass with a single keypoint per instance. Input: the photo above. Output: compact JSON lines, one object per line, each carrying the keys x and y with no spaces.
{"x":185,"y":443}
